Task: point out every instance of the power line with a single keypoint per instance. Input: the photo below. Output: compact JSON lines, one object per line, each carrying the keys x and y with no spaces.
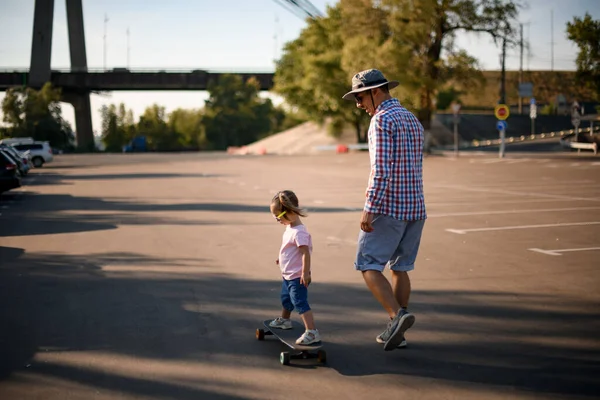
{"x":293,"y":10}
{"x":301,"y":8}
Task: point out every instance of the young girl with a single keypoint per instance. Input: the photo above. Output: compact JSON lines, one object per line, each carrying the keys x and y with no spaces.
{"x":294,"y":262}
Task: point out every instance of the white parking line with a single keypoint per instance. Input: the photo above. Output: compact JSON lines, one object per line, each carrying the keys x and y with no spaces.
{"x":338,"y":240}
{"x":459,"y":214}
{"x":506,"y":228}
{"x":463,"y":204}
{"x":559,"y":251}
{"x":483,"y":190}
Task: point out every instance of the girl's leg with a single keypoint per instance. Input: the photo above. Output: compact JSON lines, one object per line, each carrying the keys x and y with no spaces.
{"x":299,"y":296}
{"x":308,"y":319}
{"x":286,"y":301}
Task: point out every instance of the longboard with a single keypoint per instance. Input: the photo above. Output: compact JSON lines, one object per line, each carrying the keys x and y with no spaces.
{"x":288,"y":337}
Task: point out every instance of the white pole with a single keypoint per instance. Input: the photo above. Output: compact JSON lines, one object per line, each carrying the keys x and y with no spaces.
{"x":502,"y":142}
{"x":127,"y":47}
{"x":105,"y":21}
{"x":455,"y":135}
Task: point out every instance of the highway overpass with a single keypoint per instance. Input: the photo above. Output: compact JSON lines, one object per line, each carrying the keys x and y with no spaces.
{"x":123,"y":79}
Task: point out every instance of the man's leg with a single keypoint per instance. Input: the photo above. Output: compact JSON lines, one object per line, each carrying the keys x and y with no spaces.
{"x":382,"y":290}
{"x":403,"y":261}
{"x":401,"y":287}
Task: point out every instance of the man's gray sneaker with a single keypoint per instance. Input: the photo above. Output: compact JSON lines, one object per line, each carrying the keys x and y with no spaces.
{"x":394,"y":334}
{"x":402,"y":344}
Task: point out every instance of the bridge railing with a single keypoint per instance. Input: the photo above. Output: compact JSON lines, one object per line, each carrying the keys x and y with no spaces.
{"x":531,"y":138}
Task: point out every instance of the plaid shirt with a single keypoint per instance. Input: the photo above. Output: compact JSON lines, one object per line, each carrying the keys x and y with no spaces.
{"x":396,"y":153}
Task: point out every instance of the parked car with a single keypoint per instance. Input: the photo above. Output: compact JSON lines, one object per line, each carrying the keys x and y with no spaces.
{"x":41,"y":152}
{"x":10,"y":178}
{"x":17,"y":161}
{"x":24,"y":159}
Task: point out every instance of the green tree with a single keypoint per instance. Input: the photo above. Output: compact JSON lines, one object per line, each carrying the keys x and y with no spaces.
{"x":234,"y":113}
{"x":118,"y":127}
{"x":413,"y":40}
{"x":153,"y":124}
{"x":187,"y":124}
{"x":311,"y":77}
{"x":585,"y":33}
{"x":37,"y":114}
{"x":112,"y":137}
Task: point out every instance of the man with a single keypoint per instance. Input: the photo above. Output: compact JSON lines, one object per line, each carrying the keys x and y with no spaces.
{"x":394,"y":212}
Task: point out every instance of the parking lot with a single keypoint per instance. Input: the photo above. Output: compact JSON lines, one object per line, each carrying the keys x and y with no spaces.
{"x":145,"y":276}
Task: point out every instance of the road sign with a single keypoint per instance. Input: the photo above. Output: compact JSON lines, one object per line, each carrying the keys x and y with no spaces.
{"x":455,"y":108}
{"x":526,"y":89}
{"x":533,"y":111}
{"x":501,"y":111}
{"x":501,"y":125}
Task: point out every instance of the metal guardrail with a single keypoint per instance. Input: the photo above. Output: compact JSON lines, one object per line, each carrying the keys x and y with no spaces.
{"x":530,"y":138}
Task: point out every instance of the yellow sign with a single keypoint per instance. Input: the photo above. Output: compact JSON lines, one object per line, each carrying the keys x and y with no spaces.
{"x":501,"y":112}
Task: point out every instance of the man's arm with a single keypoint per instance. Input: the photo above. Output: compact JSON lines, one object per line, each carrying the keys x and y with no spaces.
{"x":380,"y":171}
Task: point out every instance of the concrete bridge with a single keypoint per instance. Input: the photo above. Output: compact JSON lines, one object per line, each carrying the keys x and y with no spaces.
{"x":78,"y":82}
{"x":118,"y":79}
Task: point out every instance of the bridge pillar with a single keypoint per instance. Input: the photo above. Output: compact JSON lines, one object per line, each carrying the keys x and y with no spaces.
{"x":80,"y":100}
{"x":83,"y":118}
{"x":76,"y":36}
{"x":41,"y":46}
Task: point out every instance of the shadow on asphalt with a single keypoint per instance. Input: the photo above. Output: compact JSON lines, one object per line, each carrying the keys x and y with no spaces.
{"x":52,"y":178}
{"x":61,"y":213}
{"x":148,"y":310}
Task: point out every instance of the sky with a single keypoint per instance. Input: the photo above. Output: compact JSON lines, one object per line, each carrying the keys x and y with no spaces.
{"x":234,"y":35}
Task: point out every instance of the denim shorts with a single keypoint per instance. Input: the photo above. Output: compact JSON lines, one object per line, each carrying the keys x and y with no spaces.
{"x":392,"y":242}
{"x":294,"y":296}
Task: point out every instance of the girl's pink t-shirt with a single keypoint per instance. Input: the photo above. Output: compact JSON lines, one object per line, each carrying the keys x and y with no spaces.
{"x":290,"y":257}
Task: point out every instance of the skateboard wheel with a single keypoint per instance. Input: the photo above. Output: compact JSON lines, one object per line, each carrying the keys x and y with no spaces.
{"x":284,"y":358}
{"x":260,"y":334}
{"x":322,"y":356}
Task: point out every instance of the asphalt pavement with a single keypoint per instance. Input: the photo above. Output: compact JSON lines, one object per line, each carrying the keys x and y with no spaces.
{"x":145,"y":276}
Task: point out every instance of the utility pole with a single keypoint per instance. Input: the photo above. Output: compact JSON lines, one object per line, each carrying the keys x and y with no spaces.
{"x":275,"y":39}
{"x":105,"y":21}
{"x":552,"y":39}
{"x":503,"y":76}
{"x":521,"y":70}
{"x":127,"y":47}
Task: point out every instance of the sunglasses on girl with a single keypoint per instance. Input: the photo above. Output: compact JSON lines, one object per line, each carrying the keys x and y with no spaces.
{"x":278,"y":217}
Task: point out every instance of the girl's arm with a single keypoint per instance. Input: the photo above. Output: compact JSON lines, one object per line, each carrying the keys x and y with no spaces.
{"x":305,"y":278}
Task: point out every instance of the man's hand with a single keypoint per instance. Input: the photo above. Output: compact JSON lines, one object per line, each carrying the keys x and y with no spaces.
{"x":366,"y":221}
{"x":305,"y":278}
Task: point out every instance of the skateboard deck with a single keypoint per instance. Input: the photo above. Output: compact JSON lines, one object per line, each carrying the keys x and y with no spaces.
{"x":288,"y":337}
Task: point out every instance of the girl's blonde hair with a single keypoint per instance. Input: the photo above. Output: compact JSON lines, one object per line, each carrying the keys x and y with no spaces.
{"x":286,"y":200}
